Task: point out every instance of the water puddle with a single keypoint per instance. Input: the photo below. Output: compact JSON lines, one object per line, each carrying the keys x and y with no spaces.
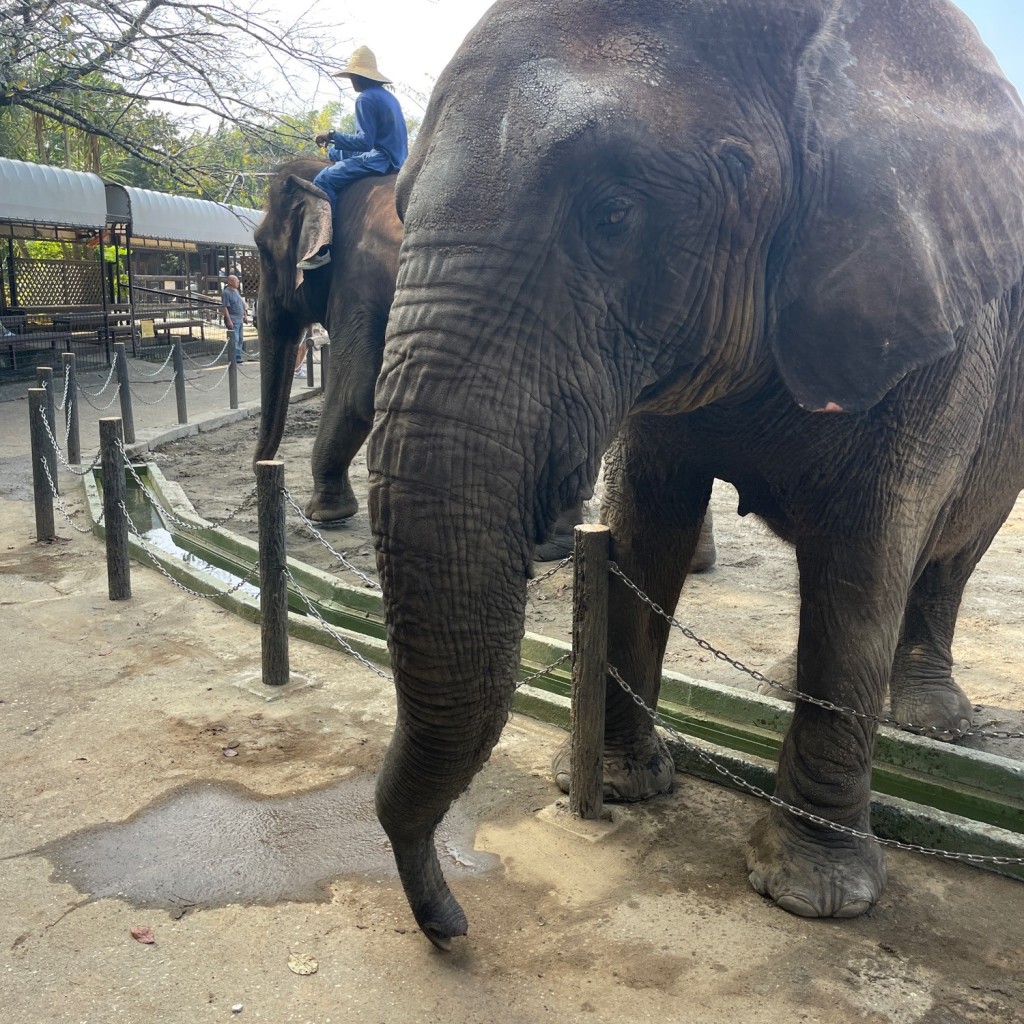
{"x":148,"y":521}
{"x":213,"y":844}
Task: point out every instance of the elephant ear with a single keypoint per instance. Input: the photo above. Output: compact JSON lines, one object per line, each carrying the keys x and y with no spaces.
{"x":911,"y":189}
{"x":309,"y":220}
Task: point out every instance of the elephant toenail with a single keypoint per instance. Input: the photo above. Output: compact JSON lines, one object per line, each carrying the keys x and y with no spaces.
{"x":854,"y":908}
{"x":798,"y":905}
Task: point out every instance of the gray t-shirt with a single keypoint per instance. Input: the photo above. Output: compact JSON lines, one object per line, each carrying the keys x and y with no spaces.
{"x":235,"y":306}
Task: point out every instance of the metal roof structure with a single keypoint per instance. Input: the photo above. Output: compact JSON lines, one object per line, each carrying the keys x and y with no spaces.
{"x":179,"y":218}
{"x":55,"y":197}
{"x":51,"y":196}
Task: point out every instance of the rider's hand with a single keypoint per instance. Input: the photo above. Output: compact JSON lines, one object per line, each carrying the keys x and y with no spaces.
{"x":322,"y":138}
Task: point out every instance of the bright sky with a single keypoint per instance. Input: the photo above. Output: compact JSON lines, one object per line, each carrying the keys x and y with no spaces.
{"x":414,"y":39}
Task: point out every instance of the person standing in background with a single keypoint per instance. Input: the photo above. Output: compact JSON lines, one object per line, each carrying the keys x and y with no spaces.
{"x":234,"y":316}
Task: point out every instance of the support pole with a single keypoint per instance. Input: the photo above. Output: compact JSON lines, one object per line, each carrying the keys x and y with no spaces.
{"x":125,"y":392}
{"x":273,"y":562}
{"x":115,"y":519}
{"x":309,"y":364}
{"x":178,"y":361}
{"x":41,"y":490}
{"x":325,"y":363}
{"x":69,"y":360}
{"x":589,"y":670}
{"x":44,"y":378}
{"x":232,"y":377}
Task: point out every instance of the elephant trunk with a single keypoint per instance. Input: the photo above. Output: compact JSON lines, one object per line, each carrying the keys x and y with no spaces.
{"x":279,"y":343}
{"x":454,"y":501}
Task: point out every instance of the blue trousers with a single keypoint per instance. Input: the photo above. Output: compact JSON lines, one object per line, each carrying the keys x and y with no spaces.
{"x":351,"y":168}
{"x":239,"y":340}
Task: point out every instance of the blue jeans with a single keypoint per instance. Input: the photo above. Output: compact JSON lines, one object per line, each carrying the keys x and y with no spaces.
{"x":343,"y":172}
{"x":239,"y":339}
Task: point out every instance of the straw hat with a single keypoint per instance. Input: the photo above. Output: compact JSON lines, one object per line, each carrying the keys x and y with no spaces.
{"x":362,"y":63}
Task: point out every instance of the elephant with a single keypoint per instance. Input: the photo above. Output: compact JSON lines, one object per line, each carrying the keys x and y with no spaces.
{"x":351,"y":296}
{"x":781,"y":244}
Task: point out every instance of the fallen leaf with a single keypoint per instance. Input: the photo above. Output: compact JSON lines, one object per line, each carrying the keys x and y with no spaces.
{"x":300,"y":963}
{"x":143,"y":933}
{"x":109,"y":650}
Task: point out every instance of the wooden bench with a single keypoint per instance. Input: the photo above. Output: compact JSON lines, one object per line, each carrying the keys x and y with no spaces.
{"x":164,"y":329}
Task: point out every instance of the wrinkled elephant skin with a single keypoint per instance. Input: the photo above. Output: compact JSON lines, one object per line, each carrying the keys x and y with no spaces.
{"x":351,"y":297}
{"x":776,"y":243}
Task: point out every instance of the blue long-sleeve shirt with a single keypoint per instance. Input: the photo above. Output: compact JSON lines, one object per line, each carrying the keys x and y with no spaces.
{"x":380,"y":127}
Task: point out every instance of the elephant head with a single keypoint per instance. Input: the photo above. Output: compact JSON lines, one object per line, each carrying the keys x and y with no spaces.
{"x":655,"y":208}
{"x":351,"y":296}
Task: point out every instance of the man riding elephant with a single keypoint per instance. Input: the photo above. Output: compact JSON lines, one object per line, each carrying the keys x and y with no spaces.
{"x":379,"y":145}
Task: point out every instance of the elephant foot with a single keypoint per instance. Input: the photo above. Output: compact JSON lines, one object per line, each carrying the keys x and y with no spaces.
{"x":332,"y":506}
{"x":705,"y":556}
{"x":811,"y":872}
{"x":782,"y":671}
{"x":638,"y":773}
{"x":935,"y":708}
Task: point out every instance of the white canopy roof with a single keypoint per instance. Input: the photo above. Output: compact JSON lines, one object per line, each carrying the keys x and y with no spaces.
{"x":39,"y":194}
{"x":180,"y":218}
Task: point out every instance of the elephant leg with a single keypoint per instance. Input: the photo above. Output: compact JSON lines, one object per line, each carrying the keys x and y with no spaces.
{"x":922,"y":688}
{"x":852,"y":598}
{"x":560,"y":540}
{"x":338,"y":438}
{"x":347,"y":411}
{"x":654,"y":542}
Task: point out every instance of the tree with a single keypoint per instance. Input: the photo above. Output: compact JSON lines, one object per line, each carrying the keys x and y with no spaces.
{"x":151,"y":86}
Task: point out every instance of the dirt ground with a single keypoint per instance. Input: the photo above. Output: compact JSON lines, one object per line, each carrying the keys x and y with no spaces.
{"x":108,"y":712}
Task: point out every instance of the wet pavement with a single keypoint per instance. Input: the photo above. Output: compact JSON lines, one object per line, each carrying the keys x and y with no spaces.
{"x":213,"y":844}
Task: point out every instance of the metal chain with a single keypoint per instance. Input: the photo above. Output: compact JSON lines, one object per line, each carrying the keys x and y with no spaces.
{"x":923,"y":730}
{"x":181,"y":586}
{"x":544,"y":671}
{"x":146,"y":401}
{"x":799,"y":812}
{"x":167,"y":513}
{"x":216,"y":384}
{"x":106,"y":383}
{"x":103,"y":408}
{"x":205,"y":366}
{"x":67,"y":384}
{"x":368,"y":580}
{"x":157,"y":372}
{"x":57,"y":501}
{"x":550,"y":572}
{"x":60,"y":454}
{"x":343,"y":643}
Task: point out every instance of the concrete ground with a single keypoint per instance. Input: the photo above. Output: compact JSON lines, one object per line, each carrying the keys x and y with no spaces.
{"x":137,"y":740}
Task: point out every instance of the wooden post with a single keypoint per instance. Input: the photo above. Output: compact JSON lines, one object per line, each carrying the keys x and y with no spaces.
{"x":325,"y":363}
{"x":115,"y":520}
{"x":309,"y":364}
{"x":589,"y":670}
{"x":273,"y":561}
{"x":125,"y":393}
{"x":44,"y":378}
{"x":69,"y":360}
{"x":41,"y":490}
{"x":178,"y":361}
{"x":232,"y":380}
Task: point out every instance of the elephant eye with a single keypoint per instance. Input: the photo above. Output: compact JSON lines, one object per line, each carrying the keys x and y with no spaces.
{"x":613,"y":213}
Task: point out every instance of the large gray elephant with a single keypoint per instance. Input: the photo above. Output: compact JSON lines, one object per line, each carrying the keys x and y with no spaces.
{"x":351,"y":297}
{"x":777,"y":243}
